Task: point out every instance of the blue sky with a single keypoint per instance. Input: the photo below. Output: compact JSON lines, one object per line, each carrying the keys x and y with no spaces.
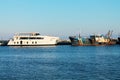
{"x":59,"y":17}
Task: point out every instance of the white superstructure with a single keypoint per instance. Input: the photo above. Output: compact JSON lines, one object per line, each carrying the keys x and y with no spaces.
{"x":32,"y":39}
{"x":100,"y":38}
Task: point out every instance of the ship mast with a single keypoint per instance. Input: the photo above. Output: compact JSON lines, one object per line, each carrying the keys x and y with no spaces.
{"x":109,"y":34}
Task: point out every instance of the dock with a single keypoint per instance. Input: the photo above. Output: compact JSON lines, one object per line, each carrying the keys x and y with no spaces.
{"x":3,"y":42}
{"x":64,"y":42}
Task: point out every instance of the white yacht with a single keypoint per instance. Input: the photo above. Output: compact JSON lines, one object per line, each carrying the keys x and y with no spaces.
{"x":32,"y":39}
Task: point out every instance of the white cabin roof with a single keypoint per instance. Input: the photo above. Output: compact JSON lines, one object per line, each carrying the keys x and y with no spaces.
{"x":27,"y":34}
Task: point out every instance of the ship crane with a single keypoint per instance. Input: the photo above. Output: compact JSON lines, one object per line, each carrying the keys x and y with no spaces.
{"x":109,"y":34}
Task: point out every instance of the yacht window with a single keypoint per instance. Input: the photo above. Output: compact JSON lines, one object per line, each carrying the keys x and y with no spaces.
{"x":27,"y":42}
{"x":17,"y":42}
{"x":36,"y":38}
{"x":35,"y":42}
{"x":23,"y":37}
{"x":14,"y":42}
{"x":32,"y":38}
{"x":40,"y":38}
{"x":32,"y":42}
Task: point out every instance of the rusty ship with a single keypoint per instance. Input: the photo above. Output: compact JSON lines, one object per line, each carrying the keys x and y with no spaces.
{"x":93,"y":40}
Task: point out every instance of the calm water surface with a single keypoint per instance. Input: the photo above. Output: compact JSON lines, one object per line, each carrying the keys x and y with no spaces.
{"x":60,"y":63}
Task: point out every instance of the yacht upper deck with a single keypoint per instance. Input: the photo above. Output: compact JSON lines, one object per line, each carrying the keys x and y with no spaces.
{"x":27,"y":34}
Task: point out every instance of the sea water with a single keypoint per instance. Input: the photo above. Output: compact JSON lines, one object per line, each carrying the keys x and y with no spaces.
{"x":60,"y":63}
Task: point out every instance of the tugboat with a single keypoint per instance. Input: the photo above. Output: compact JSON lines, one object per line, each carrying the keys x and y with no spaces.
{"x":79,"y":41}
{"x":94,"y":40}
